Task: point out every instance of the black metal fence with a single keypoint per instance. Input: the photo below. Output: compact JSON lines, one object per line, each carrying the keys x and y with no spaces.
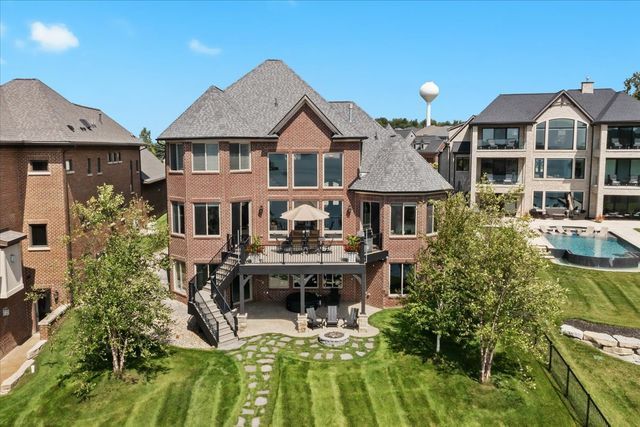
{"x":585,"y":408}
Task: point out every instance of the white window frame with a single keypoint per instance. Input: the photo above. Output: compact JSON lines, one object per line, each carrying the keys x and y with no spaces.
{"x":273,"y":233}
{"x":206,"y":159}
{"x":44,"y":172}
{"x":240,"y":157}
{"x":286,"y":156}
{"x":280,"y":285}
{"x":333,"y":279}
{"x":302,"y":276}
{"x":206,"y":204}
{"x":415,"y":205}
{"x":177,"y":233}
{"x":182,"y":288}
{"x":402,"y":285}
{"x":68,"y":166}
{"x":293,"y":171}
{"x":324,"y":175}
{"x":337,"y":234}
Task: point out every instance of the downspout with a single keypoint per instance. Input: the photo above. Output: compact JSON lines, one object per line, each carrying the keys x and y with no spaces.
{"x":67,"y":210}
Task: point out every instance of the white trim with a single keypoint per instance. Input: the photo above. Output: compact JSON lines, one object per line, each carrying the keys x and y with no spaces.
{"x":334,"y":233}
{"x":181,"y":290}
{"x":286,"y":157}
{"x":276,"y":232}
{"x":293,"y":171}
{"x":206,"y":160}
{"x":239,"y":157}
{"x":324,"y":175}
{"x":402,"y":284}
{"x":177,"y":233}
{"x":415,"y":205}
{"x":231,"y":215}
{"x":206,"y":204}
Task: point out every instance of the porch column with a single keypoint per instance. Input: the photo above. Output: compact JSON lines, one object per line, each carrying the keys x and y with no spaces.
{"x":363,"y":292}
{"x":302,"y":316}
{"x":243,"y":280}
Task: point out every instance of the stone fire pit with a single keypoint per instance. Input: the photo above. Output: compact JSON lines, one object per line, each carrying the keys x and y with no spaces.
{"x":333,"y":338}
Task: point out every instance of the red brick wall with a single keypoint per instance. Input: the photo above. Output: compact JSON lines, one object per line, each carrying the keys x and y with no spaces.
{"x":16,"y":328}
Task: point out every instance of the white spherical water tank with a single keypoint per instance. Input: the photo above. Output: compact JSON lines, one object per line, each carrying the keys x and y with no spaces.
{"x":429,"y":91}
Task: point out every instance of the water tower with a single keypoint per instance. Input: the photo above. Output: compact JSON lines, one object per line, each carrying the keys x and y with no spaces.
{"x":429,"y":91}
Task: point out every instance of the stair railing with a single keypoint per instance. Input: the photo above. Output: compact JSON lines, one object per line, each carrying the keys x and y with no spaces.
{"x":206,"y":316}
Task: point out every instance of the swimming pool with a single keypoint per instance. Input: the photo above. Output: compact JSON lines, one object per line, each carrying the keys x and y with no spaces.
{"x":595,"y":251}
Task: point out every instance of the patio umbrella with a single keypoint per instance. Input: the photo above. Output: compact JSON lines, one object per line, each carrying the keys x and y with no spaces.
{"x":305,"y":213}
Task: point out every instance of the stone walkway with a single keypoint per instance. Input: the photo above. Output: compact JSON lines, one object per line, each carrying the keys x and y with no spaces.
{"x":258,"y":357}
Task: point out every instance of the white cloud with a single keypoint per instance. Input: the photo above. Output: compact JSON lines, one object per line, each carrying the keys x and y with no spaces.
{"x":199,"y":47}
{"x":54,"y":37}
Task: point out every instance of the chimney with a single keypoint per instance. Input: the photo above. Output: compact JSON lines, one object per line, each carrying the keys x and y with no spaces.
{"x":587,"y":86}
{"x":350,"y":112}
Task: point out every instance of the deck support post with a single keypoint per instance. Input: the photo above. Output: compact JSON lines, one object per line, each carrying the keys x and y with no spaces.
{"x":241,"y":290}
{"x":302,"y":316}
{"x":363,"y":292}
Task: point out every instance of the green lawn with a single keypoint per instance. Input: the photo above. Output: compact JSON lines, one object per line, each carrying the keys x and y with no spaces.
{"x":390,"y":388}
{"x":188,"y":388}
{"x":605,"y":297}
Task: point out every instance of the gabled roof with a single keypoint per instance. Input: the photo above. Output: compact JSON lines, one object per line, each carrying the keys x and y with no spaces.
{"x":31,"y":112}
{"x":430,"y":143}
{"x":433,"y":131}
{"x":252,"y":106}
{"x":151,"y":168}
{"x":601,"y":106}
{"x":304,"y":101}
{"x":398,"y":168}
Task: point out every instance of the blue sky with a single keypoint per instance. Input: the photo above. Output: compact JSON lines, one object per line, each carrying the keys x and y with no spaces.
{"x":143,"y":63}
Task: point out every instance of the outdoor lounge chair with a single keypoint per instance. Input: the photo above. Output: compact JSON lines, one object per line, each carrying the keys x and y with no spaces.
{"x":616,"y":143}
{"x":313,"y":241}
{"x":296,"y":241}
{"x":633,"y":180}
{"x":613,"y":180}
{"x":332,"y":316}
{"x":636,"y":143}
{"x":312,"y":320}
{"x":352,"y":320}
{"x":508,"y":179}
{"x":560,"y":229}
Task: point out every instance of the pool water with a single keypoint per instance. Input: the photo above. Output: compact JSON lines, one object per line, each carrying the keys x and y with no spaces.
{"x":593,"y":246}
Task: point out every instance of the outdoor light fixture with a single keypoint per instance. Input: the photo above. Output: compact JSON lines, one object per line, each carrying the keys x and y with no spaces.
{"x":5,"y":311}
{"x":260,"y":210}
{"x":12,"y":258}
{"x":56,"y":295}
{"x":349,"y":210}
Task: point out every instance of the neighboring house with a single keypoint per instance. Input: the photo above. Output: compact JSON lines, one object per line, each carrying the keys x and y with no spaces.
{"x":238,"y":158}
{"x":454,"y":161}
{"x":574,"y":151}
{"x":154,"y":184}
{"x":52,"y":153}
{"x":409,"y":134}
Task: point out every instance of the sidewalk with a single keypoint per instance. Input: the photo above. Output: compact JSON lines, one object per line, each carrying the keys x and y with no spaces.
{"x":16,"y":357}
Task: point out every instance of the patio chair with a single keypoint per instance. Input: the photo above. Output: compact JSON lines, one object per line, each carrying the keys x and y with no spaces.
{"x":332,"y":316}
{"x":313,"y":241}
{"x":560,"y":229}
{"x":615,"y":142}
{"x":633,"y":180}
{"x":508,"y":179}
{"x":589,"y":231}
{"x":636,"y":143}
{"x":613,"y":180}
{"x":312,"y":320}
{"x":511,"y":144}
{"x":297,"y":241}
{"x":352,"y":320}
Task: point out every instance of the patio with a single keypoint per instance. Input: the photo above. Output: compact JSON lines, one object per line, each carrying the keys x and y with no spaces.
{"x":272,"y":317}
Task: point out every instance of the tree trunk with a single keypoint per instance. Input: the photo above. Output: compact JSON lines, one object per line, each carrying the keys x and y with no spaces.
{"x":438,"y":343}
{"x":486,"y":361}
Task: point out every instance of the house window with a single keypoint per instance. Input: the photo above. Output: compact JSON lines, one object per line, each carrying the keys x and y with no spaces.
{"x":560,"y":134}
{"x":538,"y":171}
{"x":462,"y":164}
{"x":205,"y":157}
{"x":119,"y":157}
{"x":68,"y":165}
{"x":540,"y":131}
{"x":399,"y":278}
{"x":559,"y":168}
{"x":89,"y":167}
{"x":626,"y":137}
{"x":332,"y":281}
{"x":537,"y":199}
{"x":555,"y":199}
{"x":431,"y":219}
{"x":278,"y":177}
{"x":203,"y":272}
{"x":38,"y":235}
{"x":137,"y":167}
{"x":403,"y":219}
{"x":311,"y":280}
{"x":39,"y":165}
{"x":177,"y":218}
{"x":578,"y":201}
{"x":176,"y":154}
{"x":277,"y":225}
{"x":332,"y":163}
{"x":279,"y":281}
{"x":240,"y":156}
{"x":305,"y":170}
{"x":500,"y":138}
{"x":206,"y":219}
{"x":179,"y":269}
{"x":99,"y":165}
{"x":578,"y":169}
{"x":333,"y":224}
{"x":110,"y":157}
{"x":581,"y":136}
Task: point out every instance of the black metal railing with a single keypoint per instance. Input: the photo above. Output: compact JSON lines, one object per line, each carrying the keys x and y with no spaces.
{"x":588,"y":413}
{"x":501,"y":144}
{"x":207,"y":317}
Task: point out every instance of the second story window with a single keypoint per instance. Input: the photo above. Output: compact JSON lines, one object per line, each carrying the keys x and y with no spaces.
{"x":403,"y":219}
{"x":541,"y":129}
{"x":462,"y":164}
{"x":581,"y":136}
{"x":623,"y":138}
{"x":333,"y":224}
{"x":68,"y":165}
{"x":176,"y":157}
{"x":560,"y":135}
{"x":500,"y":138}
{"x":278,"y":176}
{"x":38,"y":166}
{"x":240,"y":156}
{"x":205,"y":157}
{"x":89,"y":172}
{"x":177,"y":218}
{"x":98,"y":165}
{"x":206,"y":219}
{"x":305,"y":170}
{"x":538,"y":171}
{"x":332,"y":163}
{"x":578,"y":169}
{"x":559,"y":168}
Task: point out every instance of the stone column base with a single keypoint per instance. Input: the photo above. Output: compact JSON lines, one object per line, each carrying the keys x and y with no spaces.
{"x":363,"y":323}
{"x":242,"y":321}
{"x":302,"y":323}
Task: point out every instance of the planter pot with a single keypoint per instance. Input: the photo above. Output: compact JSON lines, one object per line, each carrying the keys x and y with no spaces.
{"x":352,"y":256}
{"x":253,"y":258}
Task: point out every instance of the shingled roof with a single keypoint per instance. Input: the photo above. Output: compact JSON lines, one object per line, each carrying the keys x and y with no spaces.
{"x":33,"y":113}
{"x":603,"y":106}
{"x":151,"y":168}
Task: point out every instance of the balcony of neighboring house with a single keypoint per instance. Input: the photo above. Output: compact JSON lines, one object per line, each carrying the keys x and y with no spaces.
{"x":503,"y":138}
{"x":499,"y":171}
{"x":623,"y":138}
{"x":622,"y":172}
{"x":621,"y":207}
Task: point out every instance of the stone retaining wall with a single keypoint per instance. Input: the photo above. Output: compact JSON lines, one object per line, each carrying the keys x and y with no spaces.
{"x":620,"y":346}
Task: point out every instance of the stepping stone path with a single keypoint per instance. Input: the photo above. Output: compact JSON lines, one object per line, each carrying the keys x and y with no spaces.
{"x":258,"y":358}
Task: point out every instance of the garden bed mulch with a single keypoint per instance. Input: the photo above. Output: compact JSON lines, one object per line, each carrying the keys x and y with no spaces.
{"x":603,"y":328}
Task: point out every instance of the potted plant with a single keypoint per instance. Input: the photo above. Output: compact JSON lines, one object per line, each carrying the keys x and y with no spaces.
{"x":254,"y":249}
{"x":599,"y":218}
{"x":352,"y":247}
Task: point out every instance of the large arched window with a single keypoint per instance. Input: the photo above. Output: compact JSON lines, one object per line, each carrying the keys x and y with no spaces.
{"x":581,"y":136}
{"x":560,"y":135}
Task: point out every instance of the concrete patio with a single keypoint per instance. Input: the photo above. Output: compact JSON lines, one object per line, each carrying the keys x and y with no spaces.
{"x":272,"y":317}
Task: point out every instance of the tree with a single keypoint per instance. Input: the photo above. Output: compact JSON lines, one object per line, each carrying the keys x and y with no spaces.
{"x":632,"y":85}
{"x":403,"y":122}
{"x":482,"y":281}
{"x":157,"y":148}
{"x":117,"y":293}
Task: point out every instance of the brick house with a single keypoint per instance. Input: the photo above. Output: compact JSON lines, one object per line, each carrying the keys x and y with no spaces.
{"x":238,"y":158}
{"x":52,"y":153}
